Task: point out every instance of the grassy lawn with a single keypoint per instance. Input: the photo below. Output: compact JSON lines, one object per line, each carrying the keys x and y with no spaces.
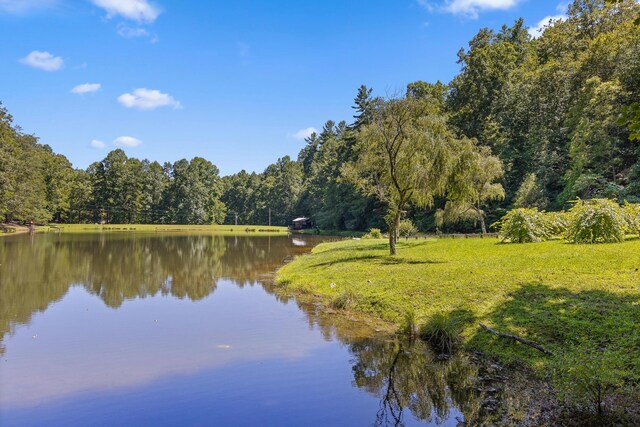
{"x":161,"y":228}
{"x":565,"y":297}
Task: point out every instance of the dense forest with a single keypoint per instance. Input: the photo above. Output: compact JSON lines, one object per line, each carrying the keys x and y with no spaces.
{"x":560,"y":112}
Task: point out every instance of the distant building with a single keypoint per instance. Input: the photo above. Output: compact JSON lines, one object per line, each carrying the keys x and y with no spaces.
{"x":302,"y":223}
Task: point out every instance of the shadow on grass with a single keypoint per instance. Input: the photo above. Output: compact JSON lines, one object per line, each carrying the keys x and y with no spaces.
{"x":389,"y":260}
{"x":561,"y":318}
{"x":598,"y":326}
{"x":382,"y":245}
{"x":565,"y":322}
{"x":382,"y":259}
{"x":463,"y":317}
{"x":363,"y":248}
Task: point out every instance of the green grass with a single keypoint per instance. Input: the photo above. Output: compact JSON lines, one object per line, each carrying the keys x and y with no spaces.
{"x":561,"y":295}
{"x":161,"y":228}
{"x":332,"y":233}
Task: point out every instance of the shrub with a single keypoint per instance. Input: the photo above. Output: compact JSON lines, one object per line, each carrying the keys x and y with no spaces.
{"x":374,"y":233}
{"x":557,"y":223}
{"x":596,"y":221}
{"x":344,"y":300}
{"x":588,"y":378}
{"x":407,"y":229}
{"x":442,"y":332}
{"x":523,"y":226}
{"x":632,"y":217}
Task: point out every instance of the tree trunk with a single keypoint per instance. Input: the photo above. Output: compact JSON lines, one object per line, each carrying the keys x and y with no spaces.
{"x":393,"y":233}
{"x":392,"y":241}
{"x":482,"y":225}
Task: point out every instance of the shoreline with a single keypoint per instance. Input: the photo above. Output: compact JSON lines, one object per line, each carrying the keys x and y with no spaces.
{"x":552,"y":293}
{"x":16,"y":229}
{"x":233,"y":230}
{"x":519,"y":389}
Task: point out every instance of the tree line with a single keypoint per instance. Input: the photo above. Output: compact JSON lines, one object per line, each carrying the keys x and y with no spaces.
{"x":39,"y":186}
{"x":527,"y":122}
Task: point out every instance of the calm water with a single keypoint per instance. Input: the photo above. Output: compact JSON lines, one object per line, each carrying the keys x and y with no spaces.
{"x":186,"y":330}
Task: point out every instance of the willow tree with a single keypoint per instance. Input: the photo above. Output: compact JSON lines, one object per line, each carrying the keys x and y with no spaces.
{"x":480,"y":177}
{"x":407,"y":154}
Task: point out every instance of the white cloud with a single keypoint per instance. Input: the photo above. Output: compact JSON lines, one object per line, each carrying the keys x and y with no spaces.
{"x":24,"y":6}
{"x":97,"y":144}
{"x":86,"y":88}
{"x":43,"y":60}
{"x":469,"y":8}
{"x":303,"y":133}
{"x":130,"y":32}
{"x":537,"y":30}
{"x":127,"y":141}
{"x":146,"y":99}
{"x":135,"y":10}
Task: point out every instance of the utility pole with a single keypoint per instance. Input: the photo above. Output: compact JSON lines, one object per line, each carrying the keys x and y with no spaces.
{"x":269,"y":217}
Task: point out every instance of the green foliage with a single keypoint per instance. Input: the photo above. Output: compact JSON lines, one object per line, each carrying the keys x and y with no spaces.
{"x":407,"y":229}
{"x":404,"y":155}
{"x":632,"y":217}
{"x":590,"y":221}
{"x":523,"y":226}
{"x":40,"y":186}
{"x":530,"y":195}
{"x":596,"y":221}
{"x":311,"y":186}
{"x":631,"y":118}
{"x":587,"y":378}
{"x":34,"y":181}
{"x":550,"y":106}
{"x":442,"y":332}
{"x":344,"y":300}
{"x":557,"y":223}
{"x":479,"y":177}
{"x":434,"y":91}
{"x":409,"y":155}
{"x":374,"y":233}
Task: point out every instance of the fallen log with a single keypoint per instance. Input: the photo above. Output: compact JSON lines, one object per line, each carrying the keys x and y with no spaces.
{"x":517,"y":338}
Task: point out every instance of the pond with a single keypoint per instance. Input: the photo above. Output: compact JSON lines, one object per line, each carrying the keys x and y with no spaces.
{"x":152,"y":329}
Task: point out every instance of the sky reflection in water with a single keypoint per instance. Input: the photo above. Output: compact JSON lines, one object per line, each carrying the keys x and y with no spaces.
{"x":166,"y":330}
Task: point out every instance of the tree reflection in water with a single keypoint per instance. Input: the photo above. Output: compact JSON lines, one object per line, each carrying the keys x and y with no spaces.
{"x":117,"y":267}
{"x":412,"y":383}
{"x":407,"y":378}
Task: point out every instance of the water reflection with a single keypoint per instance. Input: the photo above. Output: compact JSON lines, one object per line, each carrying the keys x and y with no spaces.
{"x":122,"y":267}
{"x":412,"y":383}
{"x":408,"y":382}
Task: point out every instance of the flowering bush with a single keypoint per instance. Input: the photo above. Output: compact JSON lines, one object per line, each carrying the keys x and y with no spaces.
{"x":632,"y":216}
{"x":596,"y":221}
{"x":374,"y":233}
{"x":407,"y":229}
{"x":523,"y":226}
{"x":557,"y":222}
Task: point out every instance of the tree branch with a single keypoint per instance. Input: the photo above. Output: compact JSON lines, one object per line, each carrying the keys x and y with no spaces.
{"x":517,"y":338}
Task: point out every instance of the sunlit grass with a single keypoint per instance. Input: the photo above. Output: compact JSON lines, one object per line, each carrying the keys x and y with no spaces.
{"x":557,"y":294}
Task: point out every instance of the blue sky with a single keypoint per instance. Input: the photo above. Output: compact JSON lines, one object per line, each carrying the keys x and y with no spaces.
{"x":237,"y":82}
